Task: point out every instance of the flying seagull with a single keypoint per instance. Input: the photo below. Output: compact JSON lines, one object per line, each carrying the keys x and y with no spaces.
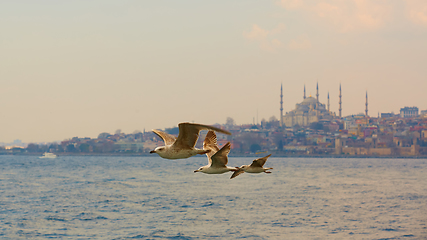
{"x":218,"y":158}
{"x":184,"y":145}
{"x":255,"y":167}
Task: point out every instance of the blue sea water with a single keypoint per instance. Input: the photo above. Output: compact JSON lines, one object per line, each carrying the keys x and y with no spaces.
{"x":81,"y":197}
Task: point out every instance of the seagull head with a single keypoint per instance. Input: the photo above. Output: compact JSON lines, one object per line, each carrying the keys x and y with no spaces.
{"x":158,"y":150}
{"x":199,"y":170}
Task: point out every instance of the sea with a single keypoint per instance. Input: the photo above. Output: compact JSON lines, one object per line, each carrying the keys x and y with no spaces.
{"x":110,"y":197}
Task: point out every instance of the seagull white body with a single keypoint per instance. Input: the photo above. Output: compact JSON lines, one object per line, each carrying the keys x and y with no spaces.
{"x":255,"y":167}
{"x":184,"y":145}
{"x":218,"y":158}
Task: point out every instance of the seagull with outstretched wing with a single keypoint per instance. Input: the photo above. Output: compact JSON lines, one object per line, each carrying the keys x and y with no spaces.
{"x":255,"y":167}
{"x":184,"y":145}
{"x":218,"y":158}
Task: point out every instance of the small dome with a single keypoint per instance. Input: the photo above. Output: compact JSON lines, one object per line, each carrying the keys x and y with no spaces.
{"x":303,"y":108}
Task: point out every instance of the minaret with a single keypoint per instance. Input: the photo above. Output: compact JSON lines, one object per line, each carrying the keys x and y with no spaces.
{"x":366,"y":105}
{"x":317,"y":92}
{"x":340,"y":103}
{"x":317,"y":97}
{"x":281,"y":105}
{"x":304,"y":91}
{"x":328,"y":103}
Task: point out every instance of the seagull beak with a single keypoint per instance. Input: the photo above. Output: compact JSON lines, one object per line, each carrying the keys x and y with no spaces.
{"x":152,"y":151}
{"x":196,"y":170}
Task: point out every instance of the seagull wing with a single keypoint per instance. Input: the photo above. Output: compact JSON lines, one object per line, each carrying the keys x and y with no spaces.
{"x":260,"y":161}
{"x":237,"y":173}
{"x":189,"y":133}
{"x":220,"y":158}
{"x":210,"y":143}
{"x":167,"y":138}
{"x":207,"y":127}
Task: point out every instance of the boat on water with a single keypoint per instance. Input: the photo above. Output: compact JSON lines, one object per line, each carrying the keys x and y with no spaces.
{"x":48,"y":155}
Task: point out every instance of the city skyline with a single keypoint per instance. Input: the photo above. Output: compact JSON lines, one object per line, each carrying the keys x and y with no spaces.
{"x":79,"y":69}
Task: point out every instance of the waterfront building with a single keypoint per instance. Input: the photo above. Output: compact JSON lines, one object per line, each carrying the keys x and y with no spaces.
{"x":408,"y":112}
{"x":387,"y":115}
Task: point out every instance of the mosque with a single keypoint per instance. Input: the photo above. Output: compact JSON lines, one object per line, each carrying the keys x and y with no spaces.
{"x":308,"y":111}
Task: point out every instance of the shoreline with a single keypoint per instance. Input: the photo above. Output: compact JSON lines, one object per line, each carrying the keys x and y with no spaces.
{"x":274,"y":155}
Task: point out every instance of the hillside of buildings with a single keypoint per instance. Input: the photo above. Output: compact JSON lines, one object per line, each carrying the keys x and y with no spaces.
{"x":355,"y":135}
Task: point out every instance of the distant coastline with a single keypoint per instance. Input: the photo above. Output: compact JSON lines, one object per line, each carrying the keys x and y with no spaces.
{"x":274,"y":155}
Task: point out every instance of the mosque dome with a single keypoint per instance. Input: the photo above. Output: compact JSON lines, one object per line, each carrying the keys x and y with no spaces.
{"x":309,"y":100}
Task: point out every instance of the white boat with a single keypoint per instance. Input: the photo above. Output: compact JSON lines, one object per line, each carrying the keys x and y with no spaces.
{"x":48,"y":155}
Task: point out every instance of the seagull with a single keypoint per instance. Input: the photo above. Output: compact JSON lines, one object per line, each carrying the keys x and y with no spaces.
{"x":184,"y":145}
{"x":218,"y":158}
{"x":255,"y":167}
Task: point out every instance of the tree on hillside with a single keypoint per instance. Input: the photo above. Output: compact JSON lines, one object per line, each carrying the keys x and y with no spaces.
{"x":229,"y":121}
{"x":33,"y":147}
{"x":278,"y":139}
{"x":71,"y":148}
{"x":255,"y":148}
{"x":103,"y":135}
{"x":84,"y":147}
{"x":247,"y":140}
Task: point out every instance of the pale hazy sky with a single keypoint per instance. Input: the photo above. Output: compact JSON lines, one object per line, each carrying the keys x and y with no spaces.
{"x":79,"y":68}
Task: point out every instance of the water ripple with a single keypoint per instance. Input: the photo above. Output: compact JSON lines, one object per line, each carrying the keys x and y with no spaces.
{"x":153,"y":198}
